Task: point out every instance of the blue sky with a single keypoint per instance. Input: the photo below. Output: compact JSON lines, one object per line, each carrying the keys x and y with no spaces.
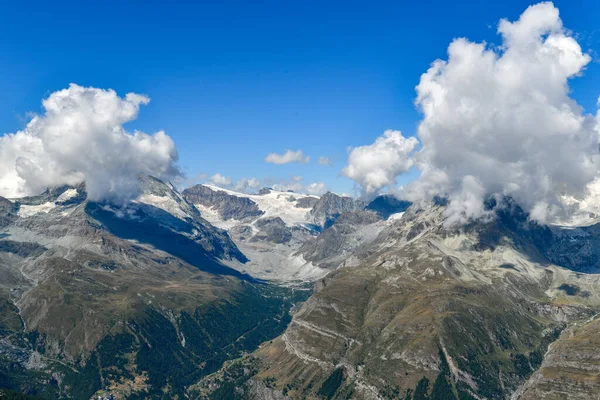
{"x":231,"y":82}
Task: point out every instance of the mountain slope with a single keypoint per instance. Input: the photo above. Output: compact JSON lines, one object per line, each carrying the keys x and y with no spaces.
{"x":350,"y":231}
{"x":133,"y":300}
{"x":430,"y":312}
{"x":571,"y":367}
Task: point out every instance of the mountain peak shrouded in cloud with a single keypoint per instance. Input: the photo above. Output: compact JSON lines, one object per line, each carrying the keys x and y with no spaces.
{"x":80,"y":137}
{"x":288,"y":157}
{"x":498,"y":121}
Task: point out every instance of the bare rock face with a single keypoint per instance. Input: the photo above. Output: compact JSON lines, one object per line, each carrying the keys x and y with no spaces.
{"x":273,"y":230}
{"x":228,"y":206}
{"x":342,"y":238}
{"x":386,"y":205}
{"x":307,"y":202}
{"x":330,"y":206}
{"x":8,"y":211}
{"x":264,"y":191}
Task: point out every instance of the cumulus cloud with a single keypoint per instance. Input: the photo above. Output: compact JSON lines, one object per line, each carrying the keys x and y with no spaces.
{"x":500,"y":121}
{"x":497,"y":121}
{"x":323,"y":160}
{"x":466,"y":204}
{"x":80,"y":137}
{"x":316,"y":188}
{"x":244,"y":185}
{"x":288,"y":157}
{"x":296,"y":184}
{"x":377,"y":165}
{"x":183,"y":182}
{"x":220,"y":180}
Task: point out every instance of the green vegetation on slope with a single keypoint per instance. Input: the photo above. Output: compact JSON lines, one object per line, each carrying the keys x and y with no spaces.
{"x":160,"y":353}
{"x":332,"y":383}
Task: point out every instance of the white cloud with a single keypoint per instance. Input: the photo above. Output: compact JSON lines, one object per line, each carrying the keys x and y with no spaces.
{"x":499,"y":121}
{"x":377,"y":165}
{"x":296,"y":184}
{"x":80,"y":137}
{"x":288,"y":157}
{"x":323,"y":160}
{"x":316,"y":188}
{"x":249,"y":185}
{"x":220,"y":180}
{"x":466,"y":204}
{"x":183,"y":182}
{"x":244,"y":185}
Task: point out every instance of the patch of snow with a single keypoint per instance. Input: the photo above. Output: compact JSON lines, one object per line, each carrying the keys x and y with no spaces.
{"x":26,"y":211}
{"x":276,"y":204}
{"x":67,"y":195}
{"x":165,"y":203}
{"x":212,"y":216}
{"x":270,"y":261}
{"x":395,"y":217}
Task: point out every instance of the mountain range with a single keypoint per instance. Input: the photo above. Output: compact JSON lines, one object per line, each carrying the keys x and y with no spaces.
{"x":211,"y":293}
